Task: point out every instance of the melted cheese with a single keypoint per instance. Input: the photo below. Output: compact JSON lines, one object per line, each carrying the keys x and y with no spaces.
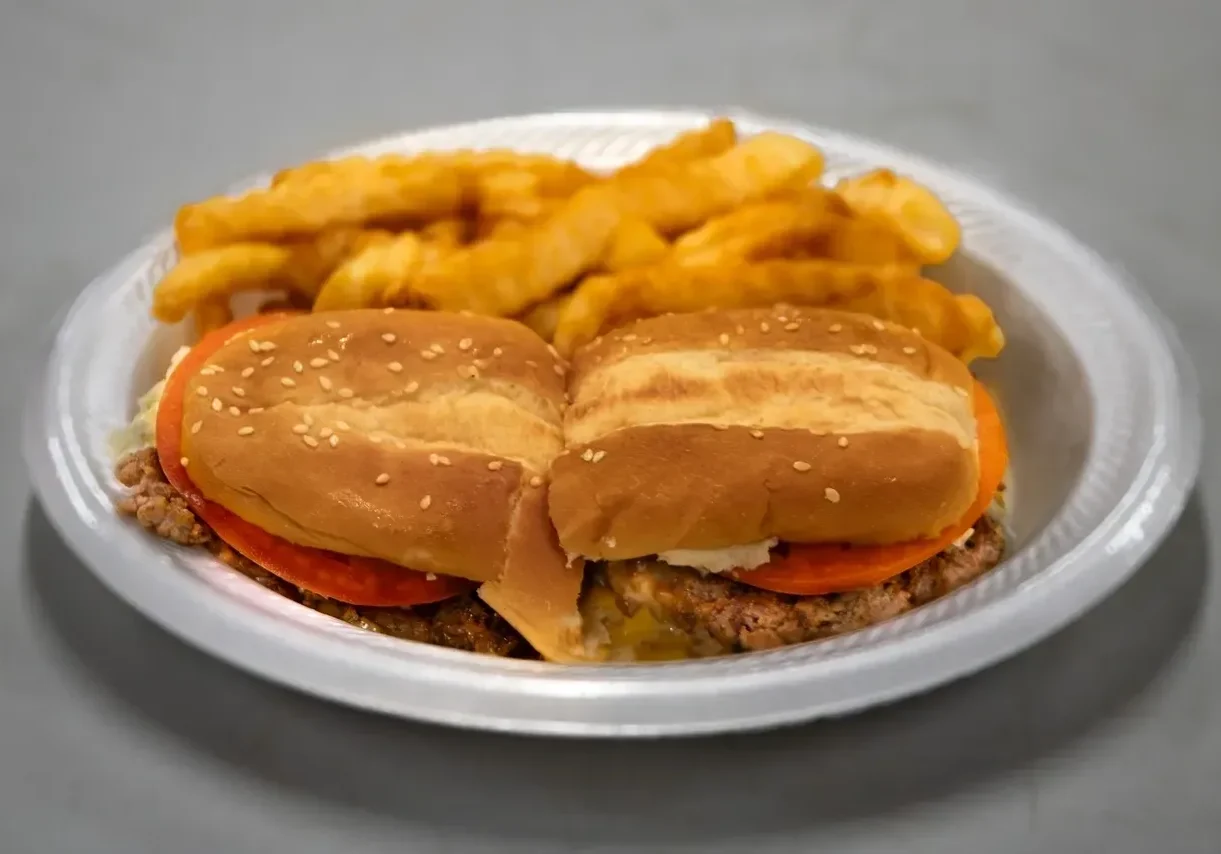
{"x":748,"y":556}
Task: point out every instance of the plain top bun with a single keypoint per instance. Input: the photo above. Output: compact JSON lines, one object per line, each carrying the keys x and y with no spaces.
{"x":408,"y":436}
{"x":723,"y":428}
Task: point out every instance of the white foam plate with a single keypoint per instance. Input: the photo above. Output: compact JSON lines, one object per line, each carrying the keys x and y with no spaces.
{"x":1101,"y":407}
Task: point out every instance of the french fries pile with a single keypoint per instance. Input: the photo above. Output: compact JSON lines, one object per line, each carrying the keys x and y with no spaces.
{"x":707,"y":220}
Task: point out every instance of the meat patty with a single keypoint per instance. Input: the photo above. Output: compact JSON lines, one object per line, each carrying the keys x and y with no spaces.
{"x":463,"y":622}
{"x":725,"y":616}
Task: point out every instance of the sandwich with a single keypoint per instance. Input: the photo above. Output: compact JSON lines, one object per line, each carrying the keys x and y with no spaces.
{"x":388,"y":467}
{"x":741,"y":480}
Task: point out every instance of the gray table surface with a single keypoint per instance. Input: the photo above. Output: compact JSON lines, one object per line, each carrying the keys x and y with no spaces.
{"x":1105,"y":115}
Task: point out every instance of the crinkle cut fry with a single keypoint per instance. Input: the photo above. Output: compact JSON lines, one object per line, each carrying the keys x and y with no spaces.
{"x":505,"y":277}
{"x":962,"y":324}
{"x":424,"y":190}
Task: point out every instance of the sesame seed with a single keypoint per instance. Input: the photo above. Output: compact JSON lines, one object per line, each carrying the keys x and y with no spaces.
{"x":388,"y":310}
{"x":916,"y":329}
{"x":532,"y":363}
{"x":238,"y":391}
{"x":427,"y":355}
{"x":792,"y":327}
{"x":245,"y":431}
{"x":310,"y":441}
{"x":346,"y":392}
{"x":554,"y":352}
{"x":334,"y":324}
{"x":465,"y":344}
{"x":411,"y":387}
{"x":430,"y":576}
{"x":319,"y":362}
{"x":469,"y":372}
{"x":300,"y":429}
{"x":763,"y":327}
{"x":298,"y":367}
{"x":333,"y":441}
{"x":831,"y":494}
{"x":495,"y":465}
{"x":757,"y":434}
{"x":611,"y":542}
{"x":436,"y":348}
{"x":202,"y":391}
{"x":267,"y":362}
{"x":870,"y":349}
{"x":247,"y":373}
{"x":325,"y":432}
{"x":720,"y":426}
{"x":724,"y":339}
{"x":801,"y":466}
{"x":234,"y":411}
{"x":254,"y":410}
{"x":332,"y":355}
{"x":835,"y":327}
{"x":326,"y":383}
{"x":217,"y":406}
{"x":559,"y":370}
{"x":782,"y":318}
{"x":425,"y":502}
{"x":858,"y":349}
{"x":587,"y":454}
{"x":629,"y":337}
{"x":496,"y":351}
{"x":909,"y":350}
{"x":342,"y":425}
{"x":254,"y":345}
{"x":184,"y":462}
{"x":207,"y":371}
{"x":382,"y":479}
{"x":288,"y":382}
{"x":879,"y":325}
{"x":197,"y":426}
{"x":598,"y":456}
{"x":396,"y":367}
{"x":389,"y":337}
{"x":308,"y":419}
{"x":536,"y":481}
{"x":843,"y":441}
{"x":480,"y":363}
{"x":267,"y":346}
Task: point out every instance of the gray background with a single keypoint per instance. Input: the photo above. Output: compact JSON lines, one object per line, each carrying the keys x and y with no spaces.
{"x":1106,"y":115}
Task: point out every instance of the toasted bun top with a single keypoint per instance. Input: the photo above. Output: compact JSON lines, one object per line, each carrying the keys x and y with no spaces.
{"x":407,"y":436}
{"x":716,"y":429}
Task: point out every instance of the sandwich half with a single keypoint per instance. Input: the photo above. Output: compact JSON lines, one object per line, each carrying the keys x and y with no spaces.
{"x":745,"y":479}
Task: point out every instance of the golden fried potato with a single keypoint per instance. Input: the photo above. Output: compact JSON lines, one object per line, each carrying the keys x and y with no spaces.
{"x":717,"y":137}
{"x":219,"y":273}
{"x":306,"y":204}
{"x":634,"y":244}
{"x":857,"y":240}
{"x":216,"y":274}
{"x":368,"y":278}
{"x":768,"y":229}
{"x":504,"y":277}
{"x":212,"y":314}
{"x":545,"y":316}
{"x":675,"y":199}
{"x":909,"y":209}
{"x":961,"y":324}
{"x":446,"y":233}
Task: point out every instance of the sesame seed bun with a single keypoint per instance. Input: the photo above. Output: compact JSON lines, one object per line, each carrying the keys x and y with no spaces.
{"x":420,"y":438}
{"x":723,"y":428}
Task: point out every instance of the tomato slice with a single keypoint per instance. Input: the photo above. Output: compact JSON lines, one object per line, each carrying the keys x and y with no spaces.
{"x":812,"y":570}
{"x":355,"y":580}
